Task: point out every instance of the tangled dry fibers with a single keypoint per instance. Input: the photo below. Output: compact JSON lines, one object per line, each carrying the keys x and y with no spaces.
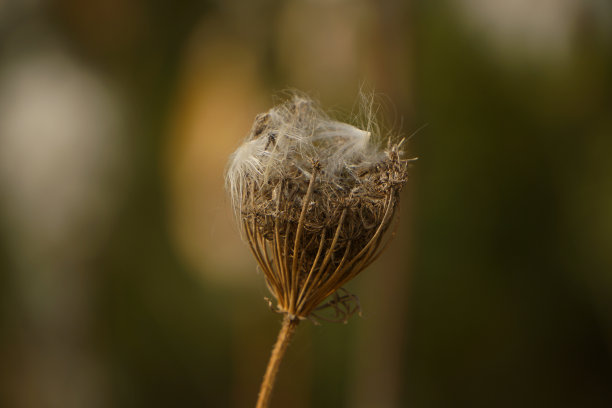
{"x":314,"y":198}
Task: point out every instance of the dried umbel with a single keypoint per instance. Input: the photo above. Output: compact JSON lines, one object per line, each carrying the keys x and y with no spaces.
{"x":314,"y":198}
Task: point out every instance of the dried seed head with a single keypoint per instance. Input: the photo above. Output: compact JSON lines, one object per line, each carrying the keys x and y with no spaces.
{"x":314,"y":198}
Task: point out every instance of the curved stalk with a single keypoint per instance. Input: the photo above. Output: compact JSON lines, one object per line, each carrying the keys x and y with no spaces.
{"x":282,"y":342}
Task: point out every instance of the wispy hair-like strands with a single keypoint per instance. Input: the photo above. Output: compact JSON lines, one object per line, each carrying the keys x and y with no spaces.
{"x":314,"y":198}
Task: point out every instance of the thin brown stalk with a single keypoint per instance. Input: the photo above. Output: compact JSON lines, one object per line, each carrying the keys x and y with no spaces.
{"x":296,"y":245}
{"x":282,"y":342}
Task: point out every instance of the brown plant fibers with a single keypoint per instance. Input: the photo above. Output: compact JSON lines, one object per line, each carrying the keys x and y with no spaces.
{"x":314,"y":199}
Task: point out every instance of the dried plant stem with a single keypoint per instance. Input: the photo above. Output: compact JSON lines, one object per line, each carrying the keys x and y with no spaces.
{"x":314,"y":198}
{"x":284,"y":336}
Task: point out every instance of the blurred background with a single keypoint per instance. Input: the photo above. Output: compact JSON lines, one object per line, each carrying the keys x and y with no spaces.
{"x":123,"y":282}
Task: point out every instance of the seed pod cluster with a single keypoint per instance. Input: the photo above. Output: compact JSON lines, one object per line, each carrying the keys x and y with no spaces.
{"x":314,"y":198}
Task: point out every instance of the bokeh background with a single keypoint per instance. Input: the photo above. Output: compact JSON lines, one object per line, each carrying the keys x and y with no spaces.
{"x":123,"y":282}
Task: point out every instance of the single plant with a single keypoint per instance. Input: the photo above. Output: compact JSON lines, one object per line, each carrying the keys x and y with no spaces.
{"x":314,"y":198}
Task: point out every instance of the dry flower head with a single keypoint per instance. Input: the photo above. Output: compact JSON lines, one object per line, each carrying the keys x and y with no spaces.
{"x":314,"y":198}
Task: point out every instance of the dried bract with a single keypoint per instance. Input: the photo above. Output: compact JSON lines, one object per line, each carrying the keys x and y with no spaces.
{"x":314,"y":198}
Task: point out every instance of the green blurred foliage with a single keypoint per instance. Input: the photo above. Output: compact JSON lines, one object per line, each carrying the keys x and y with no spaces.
{"x":511,"y":301}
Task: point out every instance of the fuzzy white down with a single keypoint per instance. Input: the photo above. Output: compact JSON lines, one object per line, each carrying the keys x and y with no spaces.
{"x":296,"y":135}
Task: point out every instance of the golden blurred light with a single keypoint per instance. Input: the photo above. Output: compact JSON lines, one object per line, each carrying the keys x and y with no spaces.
{"x":217,"y":101}
{"x":324,"y":46}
